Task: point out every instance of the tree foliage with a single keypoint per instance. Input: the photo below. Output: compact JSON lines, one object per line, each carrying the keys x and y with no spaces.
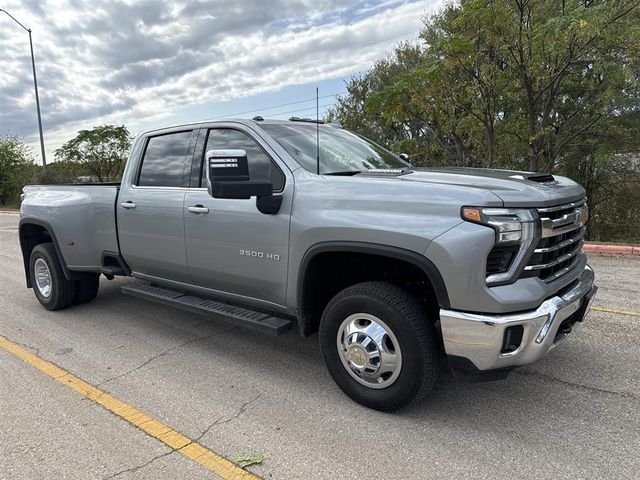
{"x":102,"y":151}
{"x":540,"y":85}
{"x":16,"y":169}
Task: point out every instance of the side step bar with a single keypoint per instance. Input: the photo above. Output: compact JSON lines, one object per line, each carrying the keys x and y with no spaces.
{"x":261,"y":322}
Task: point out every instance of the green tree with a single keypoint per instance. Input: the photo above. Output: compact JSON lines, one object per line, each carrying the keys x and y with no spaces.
{"x":541,"y":85}
{"x":16,"y":168}
{"x":102,"y":151}
{"x":62,"y":171}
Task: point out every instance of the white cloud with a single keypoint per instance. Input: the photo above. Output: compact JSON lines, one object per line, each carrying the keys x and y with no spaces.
{"x":138,"y":62}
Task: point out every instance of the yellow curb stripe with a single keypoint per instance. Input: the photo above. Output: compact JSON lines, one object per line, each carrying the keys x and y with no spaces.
{"x":185,"y":446}
{"x":613,"y":310}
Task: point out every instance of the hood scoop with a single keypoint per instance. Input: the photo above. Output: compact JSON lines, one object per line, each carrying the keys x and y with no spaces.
{"x":376,"y":172}
{"x":536,"y":177}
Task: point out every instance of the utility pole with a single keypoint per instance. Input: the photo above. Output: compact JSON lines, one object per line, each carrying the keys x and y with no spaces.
{"x":35,"y":84}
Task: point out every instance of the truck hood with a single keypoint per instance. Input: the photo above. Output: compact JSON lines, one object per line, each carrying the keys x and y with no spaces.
{"x":514,"y":188}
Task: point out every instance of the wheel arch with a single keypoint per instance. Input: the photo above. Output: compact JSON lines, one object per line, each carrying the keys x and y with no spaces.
{"x":308,"y":318}
{"x":33,"y":232}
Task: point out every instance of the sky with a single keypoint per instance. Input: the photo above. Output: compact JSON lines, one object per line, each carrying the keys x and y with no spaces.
{"x":152,"y":63}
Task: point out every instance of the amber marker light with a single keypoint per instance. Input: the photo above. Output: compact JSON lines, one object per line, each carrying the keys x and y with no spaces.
{"x":471,"y":214}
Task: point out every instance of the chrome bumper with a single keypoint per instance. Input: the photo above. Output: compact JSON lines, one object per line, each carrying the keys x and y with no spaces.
{"x":481,"y":338}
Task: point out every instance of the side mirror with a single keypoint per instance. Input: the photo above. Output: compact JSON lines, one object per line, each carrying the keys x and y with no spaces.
{"x":228,"y":176}
{"x":404,"y":156}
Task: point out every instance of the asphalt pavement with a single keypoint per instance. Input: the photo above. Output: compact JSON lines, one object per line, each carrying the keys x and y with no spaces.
{"x":574,"y":414}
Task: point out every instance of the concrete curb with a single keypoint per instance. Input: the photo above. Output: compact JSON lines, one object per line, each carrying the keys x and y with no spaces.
{"x":611,"y":249}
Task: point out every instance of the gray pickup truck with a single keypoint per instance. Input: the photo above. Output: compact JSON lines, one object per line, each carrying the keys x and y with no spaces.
{"x":267,"y":224}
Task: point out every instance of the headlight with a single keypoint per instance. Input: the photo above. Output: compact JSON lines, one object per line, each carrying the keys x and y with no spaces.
{"x":516,"y":238}
{"x":507,"y":222}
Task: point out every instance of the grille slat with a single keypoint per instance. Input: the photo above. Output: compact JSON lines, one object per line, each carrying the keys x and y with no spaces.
{"x":560,"y":248}
{"x":557,"y":260}
{"x":561,"y":243}
{"x":559,"y":208}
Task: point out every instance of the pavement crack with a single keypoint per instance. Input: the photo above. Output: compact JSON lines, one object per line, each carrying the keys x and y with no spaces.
{"x":138,"y":467}
{"x":161,"y":354}
{"x":218,"y":421}
{"x":580,"y":386}
{"x":222,"y":420}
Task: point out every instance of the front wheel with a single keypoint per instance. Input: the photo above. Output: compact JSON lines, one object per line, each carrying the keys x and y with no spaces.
{"x":379,"y":345}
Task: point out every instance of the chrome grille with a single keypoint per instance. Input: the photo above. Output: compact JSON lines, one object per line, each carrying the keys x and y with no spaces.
{"x":559,"y":248}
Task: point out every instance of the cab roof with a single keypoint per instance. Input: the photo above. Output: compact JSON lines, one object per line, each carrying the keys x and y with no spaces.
{"x":244,"y":121}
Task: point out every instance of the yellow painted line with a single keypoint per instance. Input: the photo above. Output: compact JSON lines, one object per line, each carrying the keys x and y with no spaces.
{"x":613,"y":310}
{"x":185,"y":446}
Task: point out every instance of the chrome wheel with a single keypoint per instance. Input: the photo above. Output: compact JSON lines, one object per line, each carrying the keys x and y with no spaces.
{"x":369,"y":350}
{"x":43,"y":277}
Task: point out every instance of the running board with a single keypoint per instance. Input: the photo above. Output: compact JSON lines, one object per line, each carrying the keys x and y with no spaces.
{"x":261,"y":322}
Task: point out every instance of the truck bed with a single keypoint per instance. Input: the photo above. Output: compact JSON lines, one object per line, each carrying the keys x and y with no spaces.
{"x":80,"y":216}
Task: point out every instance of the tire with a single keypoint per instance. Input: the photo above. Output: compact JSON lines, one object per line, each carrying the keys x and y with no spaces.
{"x":409,"y":342}
{"x":87,"y":289}
{"x":60,"y":292}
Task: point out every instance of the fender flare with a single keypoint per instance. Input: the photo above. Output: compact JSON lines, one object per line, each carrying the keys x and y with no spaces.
{"x":26,"y":255}
{"x":414,"y":258}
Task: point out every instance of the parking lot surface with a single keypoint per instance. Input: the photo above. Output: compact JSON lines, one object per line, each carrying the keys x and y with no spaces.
{"x":575,"y":414}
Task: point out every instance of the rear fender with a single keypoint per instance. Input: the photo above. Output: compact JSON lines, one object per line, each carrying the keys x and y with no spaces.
{"x":30,"y":238}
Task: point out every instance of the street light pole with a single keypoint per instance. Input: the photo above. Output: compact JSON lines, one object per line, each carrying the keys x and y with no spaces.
{"x":35,"y":84}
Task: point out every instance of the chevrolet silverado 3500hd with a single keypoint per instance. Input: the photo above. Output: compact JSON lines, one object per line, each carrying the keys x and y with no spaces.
{"x":268,"y":223}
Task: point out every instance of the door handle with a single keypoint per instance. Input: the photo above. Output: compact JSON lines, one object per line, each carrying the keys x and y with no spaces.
{"x":128,"y":204}
{"x":198,"y":209}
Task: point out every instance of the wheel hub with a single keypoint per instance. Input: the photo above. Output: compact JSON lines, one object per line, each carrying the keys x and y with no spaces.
{"x":43,"y":277}
{"x":369,"y":350}
{"x":357,"y":355}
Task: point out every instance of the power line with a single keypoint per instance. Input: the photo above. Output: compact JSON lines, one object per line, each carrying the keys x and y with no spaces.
{"x":279,"y":106}
{"x":260,"y":110}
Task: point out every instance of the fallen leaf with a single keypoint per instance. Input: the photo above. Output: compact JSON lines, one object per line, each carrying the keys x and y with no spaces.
{"x":246,"y":460}
{"x":120,"y":346}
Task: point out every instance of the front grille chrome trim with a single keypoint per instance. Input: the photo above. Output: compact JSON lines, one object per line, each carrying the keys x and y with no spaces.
{"x":559,"y":248}
{"x":563,"y":244}
{"x":560,"y":259}
{"x":552,"y":228}
{"x":564,"y":271}
{"x":566,"y":206}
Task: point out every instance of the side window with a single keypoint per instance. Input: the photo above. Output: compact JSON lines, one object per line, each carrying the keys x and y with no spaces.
{"x":166,"y":161}
{"x":261,"y":167}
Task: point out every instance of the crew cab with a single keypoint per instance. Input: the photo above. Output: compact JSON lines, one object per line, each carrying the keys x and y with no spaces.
{"x":273,"y":224}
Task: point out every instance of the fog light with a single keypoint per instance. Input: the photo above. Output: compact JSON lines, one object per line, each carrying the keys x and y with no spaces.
{"x":512,"y":339}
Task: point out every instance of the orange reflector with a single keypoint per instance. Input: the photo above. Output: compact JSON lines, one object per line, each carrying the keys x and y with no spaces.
{"x":472,"y":214}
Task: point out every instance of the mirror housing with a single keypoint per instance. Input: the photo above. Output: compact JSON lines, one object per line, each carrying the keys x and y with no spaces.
{"x":228,"y":176}
{"x":405,"y":157}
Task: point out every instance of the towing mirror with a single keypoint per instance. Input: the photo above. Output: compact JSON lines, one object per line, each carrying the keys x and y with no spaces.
{"x":228,"y":176}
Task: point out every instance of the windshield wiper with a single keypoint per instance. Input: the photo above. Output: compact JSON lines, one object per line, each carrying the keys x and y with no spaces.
{"x":344,"y":174}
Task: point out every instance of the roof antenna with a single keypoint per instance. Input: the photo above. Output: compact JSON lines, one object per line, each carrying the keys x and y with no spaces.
{"x":317,"y":135}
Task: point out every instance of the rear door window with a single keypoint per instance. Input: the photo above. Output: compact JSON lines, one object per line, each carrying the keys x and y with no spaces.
{"x":167,"y":161}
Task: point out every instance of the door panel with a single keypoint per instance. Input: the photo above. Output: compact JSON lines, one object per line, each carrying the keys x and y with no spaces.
{"x":234,"y":248}
{"x":152,"y":233}
{"x":150,"y":208}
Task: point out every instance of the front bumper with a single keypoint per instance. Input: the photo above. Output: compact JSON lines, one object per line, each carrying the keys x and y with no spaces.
{"x":490,"y":342}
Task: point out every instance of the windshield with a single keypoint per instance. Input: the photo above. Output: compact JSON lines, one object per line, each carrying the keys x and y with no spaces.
{"x":340,"y":151}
